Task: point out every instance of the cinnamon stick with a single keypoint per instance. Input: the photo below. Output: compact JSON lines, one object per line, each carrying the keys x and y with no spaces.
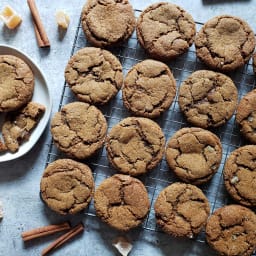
{"x":64,"y":238}
{"x":44,"y":231}
{"x":40,"y":32}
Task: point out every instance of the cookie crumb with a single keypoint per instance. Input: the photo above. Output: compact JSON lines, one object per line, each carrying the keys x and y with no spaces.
{"x":122,"y":245}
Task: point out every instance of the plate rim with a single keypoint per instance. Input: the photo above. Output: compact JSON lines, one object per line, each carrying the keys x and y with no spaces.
{"x":25,"y":57}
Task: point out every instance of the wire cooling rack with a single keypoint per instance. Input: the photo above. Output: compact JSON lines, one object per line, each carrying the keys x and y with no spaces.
{"x":172,"y":120}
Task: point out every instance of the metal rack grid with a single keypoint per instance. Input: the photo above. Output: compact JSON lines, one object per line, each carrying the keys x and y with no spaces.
{"x":129,"y":54}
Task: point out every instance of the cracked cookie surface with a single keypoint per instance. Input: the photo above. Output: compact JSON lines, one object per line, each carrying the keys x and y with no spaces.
{"x":16,"y":83}
{"x":181,"y":210}
{"x":18,"y":125}
{"x":67,"y":186}
{"x":225,"y":43}
{"x":122,"y":202}
{"x":149,"y":88}
{"x":240,"y":175}
{"x":135,"y":145}
{"x":231,"y":230}
{"x":246,"y":116}
{"x":165,"y":30}
{"x":79,"y":129}
{"x":208,"y":98}
{"x":194,"y":154}
{"x":107,"y":22}
{"x":94,"y":75}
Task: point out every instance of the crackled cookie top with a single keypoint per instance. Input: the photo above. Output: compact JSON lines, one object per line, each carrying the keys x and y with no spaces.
{"x":231,"y":230}
{"x":94,"y":75}
{"x":240,"y":175}
{"x":16,"y":83}
{"x":135,"y":145}
{"x":194,"y":154}
{"x":67,"y":186}
{"x":79,"y":129}
{"x":165,"y":30}
{"x":107,"y":22}
{"x":208,"y":98}
{"x":182,"y":210}
{"x":225,"y":43}
{"x":246,"y":116}
{"x":18,"y":125}
{"x":149,"y":88}
{"x":121,"y":201}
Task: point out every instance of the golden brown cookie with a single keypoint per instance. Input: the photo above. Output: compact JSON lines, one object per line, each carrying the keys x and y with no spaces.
{"x":194,"y":154}
{"x":3,"y":148}
{"x":208,"y":98}
{"x":182,"y":210}
{"x":231,"y":230}
{"x":107,"y":22}
{"x":16,"y":83}
{"x":149,"y":88}
{"x":122,"y":202}
{"x":94,"y":75}
{"x":165,"y":30}
{"x":246,"y":116}
{"x":240,"y":175}
{"x":135,"y":145}
{"x":18,"y":125}
{"x":225,"y":43}
{"x":79,"y":129}
{"x":67,"y":186}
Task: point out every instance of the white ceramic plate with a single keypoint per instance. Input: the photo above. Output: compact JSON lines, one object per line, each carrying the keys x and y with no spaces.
{"x":41,"y":95}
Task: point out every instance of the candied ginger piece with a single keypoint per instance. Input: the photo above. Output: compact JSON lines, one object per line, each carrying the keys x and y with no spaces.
{"x":62,"y":19}
{"x":10,"y":18}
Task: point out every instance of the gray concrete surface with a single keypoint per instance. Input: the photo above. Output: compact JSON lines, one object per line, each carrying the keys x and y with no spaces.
{"x":19,"y":179}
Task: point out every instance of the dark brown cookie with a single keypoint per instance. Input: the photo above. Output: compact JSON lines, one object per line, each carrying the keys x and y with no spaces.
{"x":67,"y":186}
{"x":231,"y":230}
{"x":94,"y":75}
{"x":18,"y":125}
{"x":246,"y":116}
{"x":194,"y":154}
{"x":240,"y":175}
{"x":122,"y":202}
{"x":165,"y":30}
{"x":208,"y":98}
{"x":107,"y":22}
{"x":149,"y":89}
{"x":16,"y":83}
{"x":79,"y":129}
{"x":225,"y":43}
{"x":182,"y":210}
{"x":135,"y":145}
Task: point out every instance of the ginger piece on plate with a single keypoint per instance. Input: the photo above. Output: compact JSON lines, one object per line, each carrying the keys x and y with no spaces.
{"x":123,"y":245}
{"x":62,"y":19}
{"x":10,"y":17}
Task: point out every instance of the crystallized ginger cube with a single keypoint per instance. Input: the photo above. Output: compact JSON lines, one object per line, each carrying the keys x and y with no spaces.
{"x":62,"y":19}
{"x":10,"y":18}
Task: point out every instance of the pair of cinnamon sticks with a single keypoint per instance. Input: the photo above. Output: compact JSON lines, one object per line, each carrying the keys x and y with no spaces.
{"x":51,"y":229}
{"x":40,"y":32}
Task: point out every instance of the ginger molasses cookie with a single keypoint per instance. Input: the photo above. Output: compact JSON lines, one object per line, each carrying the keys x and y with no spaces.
{"x":122,"y":202}
{"x":135,"y":145}
{"x":67,"y":186}
{"x":231,"y":230}
{"x":246,"y":116}
{"x":18,"y":125}
{"x":240,"y":175}
{"x":94,"y":75}
{"x":225,"y":43}
{"x":16,"y":83}
{"x":208,"y":98}
{"x":194,"y":154}
{"x":79,"y":129}
{"x":149,"y":88}
{"x":165,"y":30}
{"x":182,"y":210}
{"x":107,"y":22}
